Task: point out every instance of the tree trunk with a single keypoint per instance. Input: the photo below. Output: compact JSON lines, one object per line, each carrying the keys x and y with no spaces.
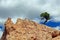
{"x":45,"y":21}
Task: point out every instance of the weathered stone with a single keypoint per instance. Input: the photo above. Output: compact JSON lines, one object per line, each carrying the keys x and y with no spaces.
{"x":28,"y":30}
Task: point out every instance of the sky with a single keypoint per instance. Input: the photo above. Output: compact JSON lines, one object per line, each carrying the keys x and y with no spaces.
{"x":30,"y":9}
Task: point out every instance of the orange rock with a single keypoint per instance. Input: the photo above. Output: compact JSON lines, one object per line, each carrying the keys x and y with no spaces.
{"x":28,"y":30}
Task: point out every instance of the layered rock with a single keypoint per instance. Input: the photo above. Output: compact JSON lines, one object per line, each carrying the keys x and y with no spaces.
{"x":28,"y":30}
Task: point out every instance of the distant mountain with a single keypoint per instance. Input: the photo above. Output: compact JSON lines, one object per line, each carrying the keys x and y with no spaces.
{"x":53,"y":24}
{"x":2,"y":28}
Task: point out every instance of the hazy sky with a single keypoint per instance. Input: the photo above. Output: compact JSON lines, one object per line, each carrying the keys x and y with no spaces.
{"x":29,"y":9}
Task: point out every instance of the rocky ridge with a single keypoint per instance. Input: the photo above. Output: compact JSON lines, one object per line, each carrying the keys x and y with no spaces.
{"x":28,"y":30}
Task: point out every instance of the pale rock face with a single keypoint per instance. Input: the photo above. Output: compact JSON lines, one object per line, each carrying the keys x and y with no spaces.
{"x":28,"y":30}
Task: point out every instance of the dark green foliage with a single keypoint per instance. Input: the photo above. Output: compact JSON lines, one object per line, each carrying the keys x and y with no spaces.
{"x":46,"y":16}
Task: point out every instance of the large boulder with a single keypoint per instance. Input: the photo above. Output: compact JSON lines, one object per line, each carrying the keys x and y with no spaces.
{"x":28,"y":30}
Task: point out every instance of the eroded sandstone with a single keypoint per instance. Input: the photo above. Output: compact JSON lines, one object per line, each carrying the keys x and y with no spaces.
{"x":28,"y":30}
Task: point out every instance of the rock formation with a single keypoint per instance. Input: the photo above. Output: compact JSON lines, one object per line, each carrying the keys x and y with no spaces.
{"x":28,"y":30}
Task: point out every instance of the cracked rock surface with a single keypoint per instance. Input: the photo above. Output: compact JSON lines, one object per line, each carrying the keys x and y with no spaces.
{"x":28,"y":30}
